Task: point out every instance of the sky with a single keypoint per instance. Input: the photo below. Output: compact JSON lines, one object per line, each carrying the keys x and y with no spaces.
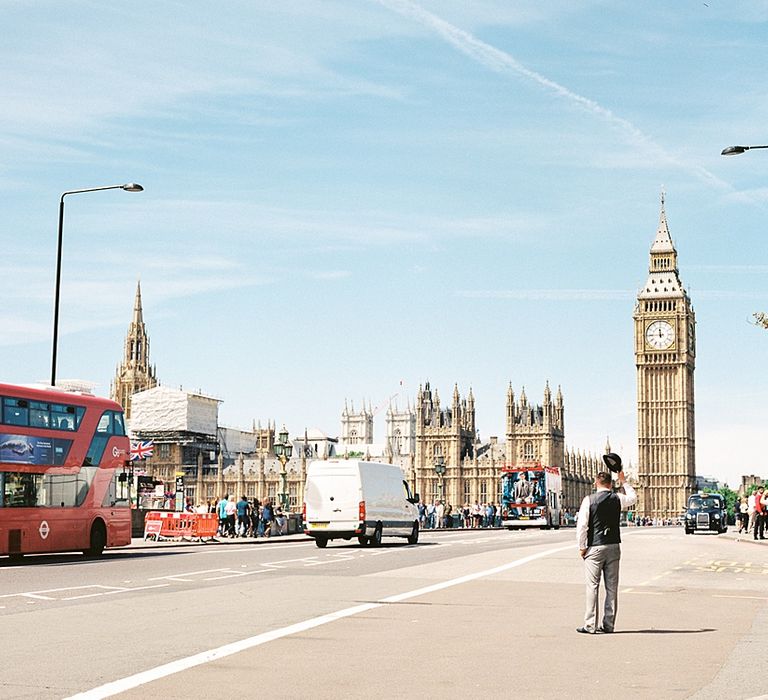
{"x":345,"y":199}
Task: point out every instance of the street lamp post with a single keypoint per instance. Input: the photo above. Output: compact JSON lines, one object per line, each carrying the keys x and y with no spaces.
{"x":283,"y":450}
{"x":129,"y":187}
{"x":736,"y":150}
{"x":440,"y":471}
{"x":761,"y":319}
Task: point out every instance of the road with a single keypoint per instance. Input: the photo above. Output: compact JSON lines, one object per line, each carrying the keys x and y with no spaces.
{"x":473,"y":612}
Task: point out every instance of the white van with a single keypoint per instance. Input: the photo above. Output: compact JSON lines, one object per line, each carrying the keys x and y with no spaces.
{"x":346,"y":498}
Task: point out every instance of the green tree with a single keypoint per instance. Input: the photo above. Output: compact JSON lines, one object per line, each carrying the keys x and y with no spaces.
{"x":761,"y":319}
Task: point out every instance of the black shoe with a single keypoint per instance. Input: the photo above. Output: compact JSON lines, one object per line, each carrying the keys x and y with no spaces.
{"x":603,"y":630}
{"x":584,"y":630}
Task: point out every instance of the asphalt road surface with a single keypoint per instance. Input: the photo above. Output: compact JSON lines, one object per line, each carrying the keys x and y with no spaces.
{"x":465,"y":613}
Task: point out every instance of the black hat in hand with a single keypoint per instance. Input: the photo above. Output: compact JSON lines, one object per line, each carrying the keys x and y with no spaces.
{"x":612,"y":461}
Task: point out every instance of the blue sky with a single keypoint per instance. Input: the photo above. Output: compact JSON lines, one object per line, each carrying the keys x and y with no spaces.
{"x":345,"y":199}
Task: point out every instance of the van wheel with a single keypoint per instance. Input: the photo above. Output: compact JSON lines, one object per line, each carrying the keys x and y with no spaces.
{"x":413,"y":538}
{"x":376,"y":537}
{"x":321,"y":542}
{"x":363,"y":540}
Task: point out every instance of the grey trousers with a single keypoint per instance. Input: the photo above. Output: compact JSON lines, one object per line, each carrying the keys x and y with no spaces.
{"x":602,"y":560}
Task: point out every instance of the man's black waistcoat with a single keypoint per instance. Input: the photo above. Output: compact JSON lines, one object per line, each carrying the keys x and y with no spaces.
{"x":604,"y":516}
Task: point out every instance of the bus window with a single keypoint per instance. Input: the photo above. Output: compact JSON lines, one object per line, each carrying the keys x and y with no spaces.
{"x":117,"y":494}
{"x":119,"y":426}
{"x":110,"y":423}
{"x":105,"y":423}
{"x":20,"y":490}
{"x":38,"y":415}
{"x":15,"y":412}
{"x":66,"y":490}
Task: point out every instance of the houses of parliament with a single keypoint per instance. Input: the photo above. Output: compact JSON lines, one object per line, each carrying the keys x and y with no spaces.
{"x":214,"y":460}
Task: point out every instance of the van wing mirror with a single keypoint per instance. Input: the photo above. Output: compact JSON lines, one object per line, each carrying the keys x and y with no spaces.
{"x":415,"y":498}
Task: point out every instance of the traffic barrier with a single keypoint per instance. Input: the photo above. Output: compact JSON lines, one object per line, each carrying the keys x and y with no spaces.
{"x":160,"y":525}
{"x":205,"y":526}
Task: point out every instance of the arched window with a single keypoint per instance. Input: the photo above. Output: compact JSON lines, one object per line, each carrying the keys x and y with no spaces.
{"x":528,"y":450}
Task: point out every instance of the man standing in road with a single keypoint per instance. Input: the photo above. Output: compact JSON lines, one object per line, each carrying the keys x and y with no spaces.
{"x":598,"y":536}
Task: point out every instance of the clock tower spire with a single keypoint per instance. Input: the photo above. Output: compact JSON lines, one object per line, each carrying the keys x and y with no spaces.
{"x":665,"y":357}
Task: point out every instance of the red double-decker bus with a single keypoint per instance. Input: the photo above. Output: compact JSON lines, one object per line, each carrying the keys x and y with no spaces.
{"x":62,"y":466}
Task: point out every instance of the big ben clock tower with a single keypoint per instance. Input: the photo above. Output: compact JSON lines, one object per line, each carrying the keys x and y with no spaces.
{"x":665,"y":355}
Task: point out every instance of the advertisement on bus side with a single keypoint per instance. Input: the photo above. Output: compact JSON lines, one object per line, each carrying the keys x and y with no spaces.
{"x":28,"y":449}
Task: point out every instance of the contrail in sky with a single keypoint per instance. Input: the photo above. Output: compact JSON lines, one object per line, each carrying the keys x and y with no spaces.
{"x":502,"y":62}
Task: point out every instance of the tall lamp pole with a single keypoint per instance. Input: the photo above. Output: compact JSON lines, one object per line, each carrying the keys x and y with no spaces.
{"x":283,"y":450}
{"x":761,"y":318}
{"x":440,"y":471}
{"x":129,"y":187}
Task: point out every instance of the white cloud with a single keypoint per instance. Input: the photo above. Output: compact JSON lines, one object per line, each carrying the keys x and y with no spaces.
{"x":502,"y":62}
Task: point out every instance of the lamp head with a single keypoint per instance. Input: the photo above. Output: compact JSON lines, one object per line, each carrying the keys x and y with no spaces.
{"x":132,"y":187}
{"x":734,"y":150}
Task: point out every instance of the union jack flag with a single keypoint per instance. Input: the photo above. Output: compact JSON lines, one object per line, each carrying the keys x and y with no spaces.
{"x":141,"y":450}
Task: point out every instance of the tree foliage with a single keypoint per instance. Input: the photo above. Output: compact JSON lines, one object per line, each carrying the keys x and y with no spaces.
{"x":761,"y":319}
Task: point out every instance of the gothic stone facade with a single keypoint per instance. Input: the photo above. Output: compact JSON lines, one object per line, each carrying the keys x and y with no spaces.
{"x":534,"y":433}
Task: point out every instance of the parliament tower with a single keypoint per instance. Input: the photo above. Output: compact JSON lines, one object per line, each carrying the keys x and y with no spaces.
{"x":665,"y":356}
{"x":134,"y":373}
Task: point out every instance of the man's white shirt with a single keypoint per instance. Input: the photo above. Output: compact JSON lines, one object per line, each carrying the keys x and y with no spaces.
{"x":582,"y":520}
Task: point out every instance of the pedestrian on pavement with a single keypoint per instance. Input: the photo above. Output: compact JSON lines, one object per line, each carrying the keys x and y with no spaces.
{"x":759,"y":531}
{"x":422,"y":516}
{"x":439,"y":514}
{"x":743,"y":514}
{"x":222,"y":512}
{"x":267,"y":516}
{"x":598,"y":536}
{"x":243,"y":516}
{"x":751,"y":511}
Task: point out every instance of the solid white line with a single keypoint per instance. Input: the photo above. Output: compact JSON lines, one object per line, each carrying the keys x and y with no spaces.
{"x":124,"y":684}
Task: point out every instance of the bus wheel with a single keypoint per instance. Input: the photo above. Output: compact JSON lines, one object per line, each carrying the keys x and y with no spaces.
{"x":98,"y":540}
{"x":16,"y":557}
{"x":413,"y":538}
{"x":376,"y":537}
{"x":321,"y":542}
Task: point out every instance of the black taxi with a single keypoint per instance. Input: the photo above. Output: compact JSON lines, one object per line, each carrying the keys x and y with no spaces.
{"x":706,"y":513}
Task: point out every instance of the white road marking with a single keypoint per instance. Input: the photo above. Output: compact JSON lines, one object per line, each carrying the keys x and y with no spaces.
{"x":124,"y":684}
{"x":105,"y":590}
{"x":116,"y":590}
{"x":235,"y":574}
{"x":180,"y":577}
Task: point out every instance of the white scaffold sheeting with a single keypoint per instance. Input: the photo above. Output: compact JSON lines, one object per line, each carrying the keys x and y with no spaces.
{"x":166,"y":409}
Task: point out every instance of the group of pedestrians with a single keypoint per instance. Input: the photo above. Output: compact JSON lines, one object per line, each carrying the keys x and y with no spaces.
{"x":752,"y":513}
{"x":438,"y":514}
{"x":247,"y":517}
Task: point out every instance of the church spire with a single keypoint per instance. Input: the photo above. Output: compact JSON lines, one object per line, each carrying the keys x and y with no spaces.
{"x":138,"y":313}
{"x":135,"y":373}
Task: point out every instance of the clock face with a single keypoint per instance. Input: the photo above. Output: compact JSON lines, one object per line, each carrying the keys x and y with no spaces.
{"x":660,"y":335}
